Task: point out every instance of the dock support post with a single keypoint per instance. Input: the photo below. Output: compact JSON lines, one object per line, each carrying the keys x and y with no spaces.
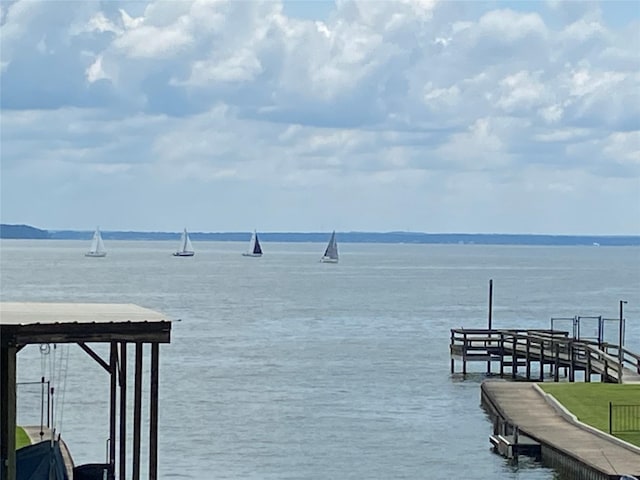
{"x":490,"y":320}
{"x":587,"y":373}
{"x":572,"y":361}
{"x":514,"y":357}
{"x":137,"y":412}
{"x":113,"y":358}
{"x":451,"y":352}
{"x":556,"y":370}
{"x":501,"y":354}
{"x":8,"y":412}
{"x":541,"y":361}
{"x":153,"y":413}
{"x":464,"y":354}
{"x":528,"y":358}
{"x":122,"y":455}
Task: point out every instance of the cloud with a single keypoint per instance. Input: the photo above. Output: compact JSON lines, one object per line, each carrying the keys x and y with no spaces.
{"x":432,"y":100}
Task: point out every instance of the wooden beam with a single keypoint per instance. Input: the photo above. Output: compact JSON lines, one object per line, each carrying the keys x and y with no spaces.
{"x":153,"y":413}
{"x":87,"y":332}
{"x":95,"y":356}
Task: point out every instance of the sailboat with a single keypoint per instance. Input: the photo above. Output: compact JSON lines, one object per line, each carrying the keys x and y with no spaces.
{"x":331,"y":252}
{"x":186,"y":249}
{"x":255,"y":250}
{"x":97,"y":246}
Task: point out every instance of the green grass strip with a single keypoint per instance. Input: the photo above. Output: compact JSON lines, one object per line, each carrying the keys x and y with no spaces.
{"x":589,"y":402}
{"x":22,"y":439}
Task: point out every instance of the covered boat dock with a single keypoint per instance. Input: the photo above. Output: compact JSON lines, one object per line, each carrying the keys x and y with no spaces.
{"x":117,"y":325}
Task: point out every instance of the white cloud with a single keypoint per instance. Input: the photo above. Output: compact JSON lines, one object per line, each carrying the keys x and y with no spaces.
{"x":510,"y":26}
{"x":521,"y":90}
{"x":145,"y":41}
{"x":624,"y":148}
{"x":100,"y":23}
{"x":584,"y":82}
{"x":241,"y":66}
{"x":95,"y":71}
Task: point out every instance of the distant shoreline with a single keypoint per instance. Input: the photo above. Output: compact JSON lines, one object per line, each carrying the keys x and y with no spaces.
{"x":28,"y":232}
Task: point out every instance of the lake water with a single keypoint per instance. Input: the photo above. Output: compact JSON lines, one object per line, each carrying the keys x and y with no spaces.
{"x":284,"y":368}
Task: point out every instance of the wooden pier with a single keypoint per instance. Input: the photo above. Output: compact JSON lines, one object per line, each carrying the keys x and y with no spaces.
{"x":516,"y":351}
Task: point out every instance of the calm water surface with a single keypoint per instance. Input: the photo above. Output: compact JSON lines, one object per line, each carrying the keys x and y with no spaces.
{"x":285,"y":368}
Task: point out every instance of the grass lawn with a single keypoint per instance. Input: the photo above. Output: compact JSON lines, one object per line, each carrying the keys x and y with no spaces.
{"x":22,"y":439}
{"x":590,"y":402}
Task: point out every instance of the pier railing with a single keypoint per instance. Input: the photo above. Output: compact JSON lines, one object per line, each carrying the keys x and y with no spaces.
{"x":515,"y":348}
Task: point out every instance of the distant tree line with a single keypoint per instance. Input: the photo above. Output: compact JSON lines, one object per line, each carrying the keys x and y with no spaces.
{"x":25,"y":231}
{"x":22,"y":231}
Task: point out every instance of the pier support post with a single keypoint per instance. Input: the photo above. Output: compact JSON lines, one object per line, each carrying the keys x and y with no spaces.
{"x":572,"y":361}
{"x":122,"y":455}
{"x":556,"y":370}
{"x":451,"y":344}
{"x":587,"y":373}
{"x":541,"y":360}
{"x":137,"y":412}
{"x":8,"y":412}
{"x":501,"y":354}
{"x":153,"y":413}
{"x":113,"y":360}
{"x":528,"y":358}
{"x":514,"y":357}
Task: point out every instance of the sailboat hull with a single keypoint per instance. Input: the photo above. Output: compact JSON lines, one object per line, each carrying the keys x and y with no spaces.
{"x":184,"y":254}
{"x":96,"y":254}
{"x":251,"y":254}
{"x":328,"y":260}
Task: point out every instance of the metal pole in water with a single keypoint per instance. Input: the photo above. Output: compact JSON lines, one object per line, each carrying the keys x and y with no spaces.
{"x":490,"y":318}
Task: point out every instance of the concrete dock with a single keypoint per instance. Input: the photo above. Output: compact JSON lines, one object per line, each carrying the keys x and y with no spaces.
{"x":567,"y":445}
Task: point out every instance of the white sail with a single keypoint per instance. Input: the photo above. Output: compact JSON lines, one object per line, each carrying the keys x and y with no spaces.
{"x":97,"y":245}
{"x":331,"y":252}
{"x":255,"y":250}
{"x":186,"y":249}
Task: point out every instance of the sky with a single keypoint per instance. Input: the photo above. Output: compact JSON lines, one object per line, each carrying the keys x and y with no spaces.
{"x":415,"y":115}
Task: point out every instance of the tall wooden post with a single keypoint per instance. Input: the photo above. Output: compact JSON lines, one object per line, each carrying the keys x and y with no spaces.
{"x":137,"y":412}
{"x":501,"y":354}
{"x":572,"y":362}
{"x":113,"y":367}
{"x":153,"y":413}
{"x":8,"y":411}
{"x":514,"y":357}
{"x":528,"y":353}
{"x":541,"y":360}
{"x":122,"y":455}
